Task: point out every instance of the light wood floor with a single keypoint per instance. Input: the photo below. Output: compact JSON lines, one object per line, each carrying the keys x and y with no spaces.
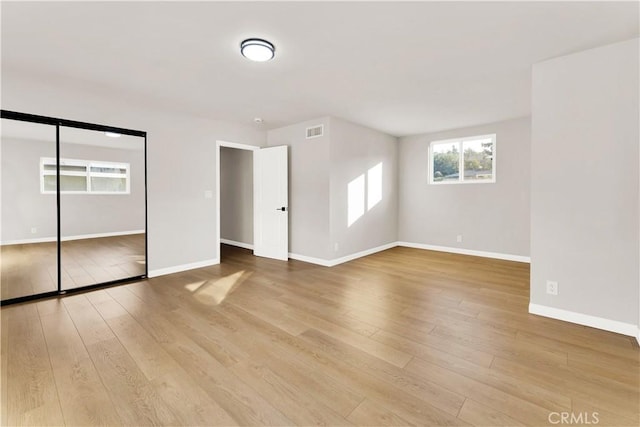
{"x":31,"y":269}
{"x":402,"y":337}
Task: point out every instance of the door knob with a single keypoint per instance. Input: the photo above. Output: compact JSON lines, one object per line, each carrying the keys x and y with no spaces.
{"x":283,"y":209}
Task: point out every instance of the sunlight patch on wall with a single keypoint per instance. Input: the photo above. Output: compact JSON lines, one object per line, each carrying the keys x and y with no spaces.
{"x":374,"y":186}
{"x":355,"y":200}
{"x":363,"y":193}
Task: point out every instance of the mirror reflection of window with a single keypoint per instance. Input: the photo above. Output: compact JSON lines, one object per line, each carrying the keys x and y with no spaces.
{"x":85,"y":176}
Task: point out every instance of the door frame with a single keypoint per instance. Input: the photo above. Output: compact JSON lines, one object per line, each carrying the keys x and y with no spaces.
{"x":219,"y":145}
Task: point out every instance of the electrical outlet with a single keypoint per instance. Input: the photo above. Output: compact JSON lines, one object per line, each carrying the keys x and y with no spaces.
{"x":459,"y":238}
{"x":34,"y":230}
{"x":208,"y":194}
{"x":552,"y":287}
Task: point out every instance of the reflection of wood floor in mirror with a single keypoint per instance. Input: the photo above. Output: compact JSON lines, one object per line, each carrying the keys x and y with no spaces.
{"x":401,"y":337}
{"x":31,"y":268}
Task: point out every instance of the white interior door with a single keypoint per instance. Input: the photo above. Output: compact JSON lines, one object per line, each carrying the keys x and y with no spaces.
{"x":271,"y":195}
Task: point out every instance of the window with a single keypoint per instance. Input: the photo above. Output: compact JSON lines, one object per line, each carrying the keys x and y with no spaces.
{"x":84,"y":177}
{"x":463,"y":160}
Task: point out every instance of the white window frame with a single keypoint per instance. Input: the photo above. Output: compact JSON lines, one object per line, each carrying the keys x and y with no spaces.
{"x":87,"y":164}
{"x":460,"y":142}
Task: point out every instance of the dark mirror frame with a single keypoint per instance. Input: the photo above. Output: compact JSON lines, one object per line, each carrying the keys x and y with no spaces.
{"x":13,"y":115}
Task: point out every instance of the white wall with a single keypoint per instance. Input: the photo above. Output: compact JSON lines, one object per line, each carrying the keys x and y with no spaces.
{"x":584,"y":201}
{"x":492,"y":217}
{"x":320,"y":170}
{"x":309,"y":185}
{"x":236,"y":195}
{"x":355,"y":150}
{"x":25,"y":207}
{"x":181,"y":150}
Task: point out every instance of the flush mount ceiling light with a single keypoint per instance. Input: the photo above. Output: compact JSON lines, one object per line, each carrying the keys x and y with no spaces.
{"x":112,"y":134}
{"x":257,"y":50}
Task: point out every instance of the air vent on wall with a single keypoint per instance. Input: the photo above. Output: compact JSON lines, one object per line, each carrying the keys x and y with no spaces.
{"x":314,"y":131}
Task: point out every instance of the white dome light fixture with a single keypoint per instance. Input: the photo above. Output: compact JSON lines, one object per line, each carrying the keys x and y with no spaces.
{"x":258,"y":50}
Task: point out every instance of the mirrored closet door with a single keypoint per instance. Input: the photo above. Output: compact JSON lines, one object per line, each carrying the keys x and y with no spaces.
{"x":102,"y":207}
{"x":73,"y":206}
{"x":29,"y":232}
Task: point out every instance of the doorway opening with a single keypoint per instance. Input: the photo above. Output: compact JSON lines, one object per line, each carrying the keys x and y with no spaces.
{"x":235,"y":195}
{"x":258,"y":190}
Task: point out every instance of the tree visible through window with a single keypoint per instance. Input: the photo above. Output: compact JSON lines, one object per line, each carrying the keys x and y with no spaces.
{"x":461,"y":160}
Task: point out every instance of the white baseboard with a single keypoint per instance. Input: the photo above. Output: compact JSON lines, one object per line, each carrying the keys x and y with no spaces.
{"x":586,"y":320}
{"x":361,"y":254}
{"x":336,"y":261}
{"x":68,"y":238}
{"x":183,"y":267}
{"x":341,"y":260}
{"x":238,"y":244}
{"x":98,"y":235}
{"x":310,"y":259}
{"x":462,"y":251}
{"x":29,"y":241}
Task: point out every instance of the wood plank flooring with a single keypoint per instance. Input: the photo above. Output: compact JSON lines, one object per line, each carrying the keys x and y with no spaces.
{"x":30,"y":269}
{"x":402,"y":337}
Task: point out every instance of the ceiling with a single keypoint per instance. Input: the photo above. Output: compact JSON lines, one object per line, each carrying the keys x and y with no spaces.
{"x":402,"y":68}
